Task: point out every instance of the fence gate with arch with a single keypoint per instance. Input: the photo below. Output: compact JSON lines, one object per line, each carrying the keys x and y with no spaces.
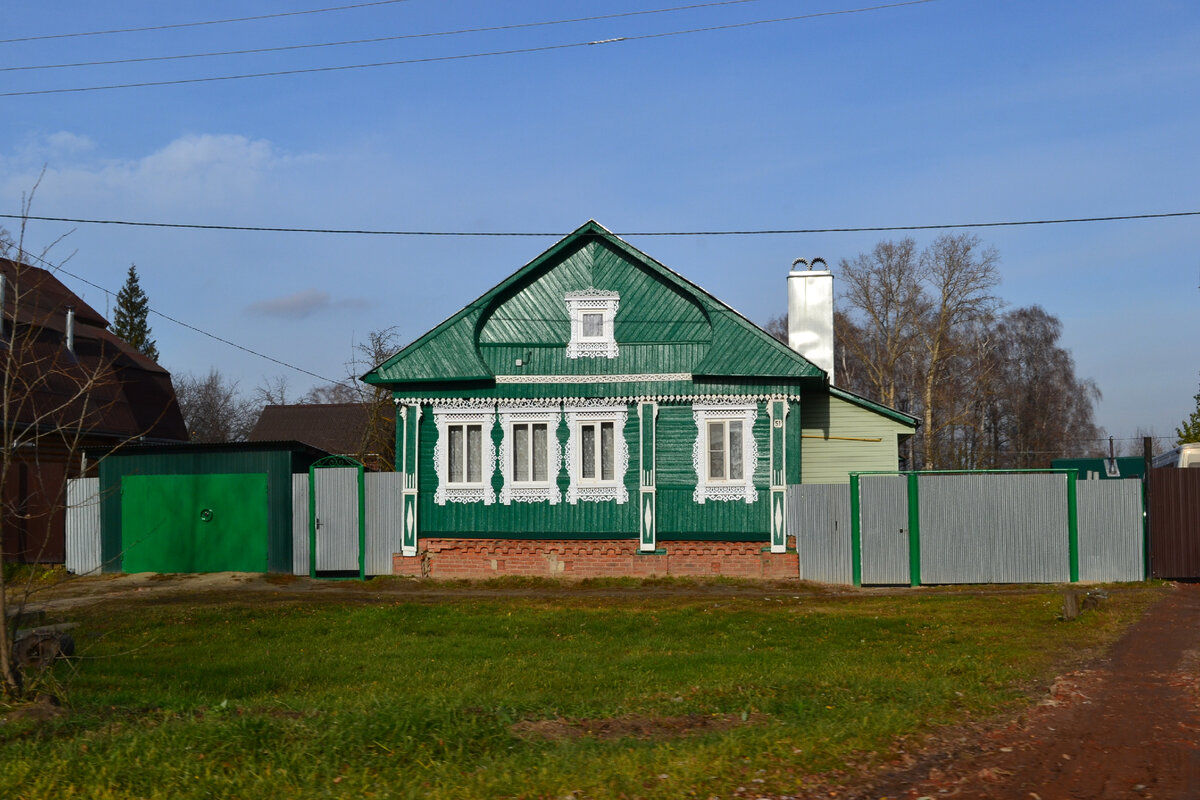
{"x":336,"y":518}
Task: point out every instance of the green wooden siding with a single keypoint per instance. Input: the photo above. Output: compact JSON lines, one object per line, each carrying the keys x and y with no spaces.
{"x":680,"y":517}
{"x":831,"y":460}
{"x":584,"y":520}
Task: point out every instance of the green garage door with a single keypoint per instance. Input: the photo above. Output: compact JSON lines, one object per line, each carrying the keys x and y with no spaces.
{"x":194,"y":523}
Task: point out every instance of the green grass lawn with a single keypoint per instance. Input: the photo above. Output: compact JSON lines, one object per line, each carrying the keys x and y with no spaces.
{"x":297,"y":698}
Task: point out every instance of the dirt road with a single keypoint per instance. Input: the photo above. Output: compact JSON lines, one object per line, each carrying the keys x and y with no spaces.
{"x":1129,"y":727}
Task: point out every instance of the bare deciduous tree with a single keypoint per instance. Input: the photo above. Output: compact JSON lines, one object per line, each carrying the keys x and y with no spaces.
{"x":920,"y":333}
{"x":53,"y":392}
{"x":885,"y":291}
{"x":213,"y":409}
{"x":961,"y":276}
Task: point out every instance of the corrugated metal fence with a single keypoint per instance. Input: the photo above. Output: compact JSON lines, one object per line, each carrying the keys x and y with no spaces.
{"x":83,"y":526}
{"x":971,"y":528}
{"x":981,"y":528}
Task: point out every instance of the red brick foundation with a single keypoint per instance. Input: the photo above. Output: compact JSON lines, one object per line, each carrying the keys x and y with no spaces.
{"x":565,"y":558}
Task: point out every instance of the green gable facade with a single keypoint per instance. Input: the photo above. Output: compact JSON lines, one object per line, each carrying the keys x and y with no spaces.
{"x":597,"y":395}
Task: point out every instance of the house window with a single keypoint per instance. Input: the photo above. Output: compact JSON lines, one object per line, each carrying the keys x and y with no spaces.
{"x":464,"y":456}
{"x":593,"y":316}
{"x":725,"y":452}
{"x":597,"y":454}
{"x":530,"y":455}
{"x":596,"y":460}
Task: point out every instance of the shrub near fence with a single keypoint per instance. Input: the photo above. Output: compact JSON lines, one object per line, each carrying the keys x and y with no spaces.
{"x":968,"y":528}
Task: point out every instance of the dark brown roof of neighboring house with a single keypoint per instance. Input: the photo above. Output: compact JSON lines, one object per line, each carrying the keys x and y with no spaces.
{"x":338,"y":428}
{"x":126,"y":396}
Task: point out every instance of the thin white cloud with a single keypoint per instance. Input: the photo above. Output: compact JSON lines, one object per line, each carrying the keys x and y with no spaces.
{"x":303,"y":304}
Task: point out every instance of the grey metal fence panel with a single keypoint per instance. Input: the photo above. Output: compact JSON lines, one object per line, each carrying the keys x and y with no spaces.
{"x":83,"y":526}
{"x":883,"y":528}
{"x":300,"y":524}
{"x":337,"y":518}
{"x":994,"y":528}
{"x":1111,"y":536}
{"x":819,"y":516}
{"x":385,"y":515}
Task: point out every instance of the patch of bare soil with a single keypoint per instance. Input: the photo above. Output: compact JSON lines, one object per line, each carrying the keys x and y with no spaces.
{"x":632,"y":726}
{"x":1127,"y":728}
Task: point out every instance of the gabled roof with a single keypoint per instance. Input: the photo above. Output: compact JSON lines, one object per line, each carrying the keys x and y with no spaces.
{"x":878,"y":408}
{"x":449,"y":352}
{"x":105,"y":388}
{"x":336,"y":428}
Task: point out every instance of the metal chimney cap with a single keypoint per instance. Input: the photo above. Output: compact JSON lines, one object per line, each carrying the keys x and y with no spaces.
{"x":810,"y":264}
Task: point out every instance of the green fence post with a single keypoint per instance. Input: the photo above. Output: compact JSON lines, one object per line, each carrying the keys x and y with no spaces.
{"x":1073,"y":525}
{"x":855,"y":534}
{"x":914,"y":532}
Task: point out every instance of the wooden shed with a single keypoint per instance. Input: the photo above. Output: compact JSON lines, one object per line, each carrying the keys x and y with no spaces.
{"x":596,"y":413}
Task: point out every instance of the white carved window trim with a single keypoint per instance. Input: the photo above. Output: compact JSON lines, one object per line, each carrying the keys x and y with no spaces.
{"x":725,"y":490}
{"x":592,"y":301}
{"x":530,"y":491}
{"x":447,"y":492}
{"x":597,"y":491}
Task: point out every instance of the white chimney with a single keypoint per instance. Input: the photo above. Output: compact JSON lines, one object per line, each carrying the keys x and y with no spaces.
{"x":810,"y":313}
{"x":71,"y":330}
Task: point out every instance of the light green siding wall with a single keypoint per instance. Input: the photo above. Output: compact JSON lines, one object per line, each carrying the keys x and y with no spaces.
{"x":831,"y":460}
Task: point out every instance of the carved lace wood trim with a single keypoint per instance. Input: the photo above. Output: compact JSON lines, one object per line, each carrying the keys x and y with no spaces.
{"x":591,"y":492}
{"x":725,"y":490}
{"x":572,"y":379}
{"x":444,"y":416}
{"x":526,"y":493}
{"x":683,"y":399}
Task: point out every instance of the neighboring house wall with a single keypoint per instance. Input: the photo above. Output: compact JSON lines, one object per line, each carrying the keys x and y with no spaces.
{"x":837,"y":440}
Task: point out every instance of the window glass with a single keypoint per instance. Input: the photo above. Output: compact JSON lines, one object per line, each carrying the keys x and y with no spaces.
{"x":520,"y":452}
{"x":735,"y":450}
{"x":593,"y":325}
{"x":455,"y":453}
{"x":540,"y":433}
{"x":474,"y":454}
{"x":606,"y":451}
{"x":716,"y":451}
{"x":587,"y":456}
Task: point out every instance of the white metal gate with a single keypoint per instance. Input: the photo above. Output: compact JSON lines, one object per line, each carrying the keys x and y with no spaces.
{"x":883,"y":509}
{"x":337,"y":499}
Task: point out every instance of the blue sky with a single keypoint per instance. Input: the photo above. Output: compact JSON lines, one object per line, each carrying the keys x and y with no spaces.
{"x":943,"y":112}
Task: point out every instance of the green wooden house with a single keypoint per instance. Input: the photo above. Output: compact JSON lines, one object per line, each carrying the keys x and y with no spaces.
{"x":598,"y":413}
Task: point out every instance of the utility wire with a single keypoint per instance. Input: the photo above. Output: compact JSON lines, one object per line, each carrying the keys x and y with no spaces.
{"x":58,"y":268}
{"x":197,"y":24}
{"x":378,"y":39}
{"x":462,"y":56}
{"x":761,"y":232}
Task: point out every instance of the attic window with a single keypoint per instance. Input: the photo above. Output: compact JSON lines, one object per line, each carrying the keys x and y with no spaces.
{"x":593,"y":313}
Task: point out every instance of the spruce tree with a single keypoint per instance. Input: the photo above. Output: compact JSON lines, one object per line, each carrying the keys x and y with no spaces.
{"x":1189,"y":430}
{"x":130,"y":319}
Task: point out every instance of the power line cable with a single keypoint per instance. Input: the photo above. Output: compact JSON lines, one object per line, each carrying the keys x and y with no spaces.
{"x":198,"y":24}
{"x":58,"y":268}
{"x":559,"y":234}
{"x":375,"y":40}
{"x":463,"y":56}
